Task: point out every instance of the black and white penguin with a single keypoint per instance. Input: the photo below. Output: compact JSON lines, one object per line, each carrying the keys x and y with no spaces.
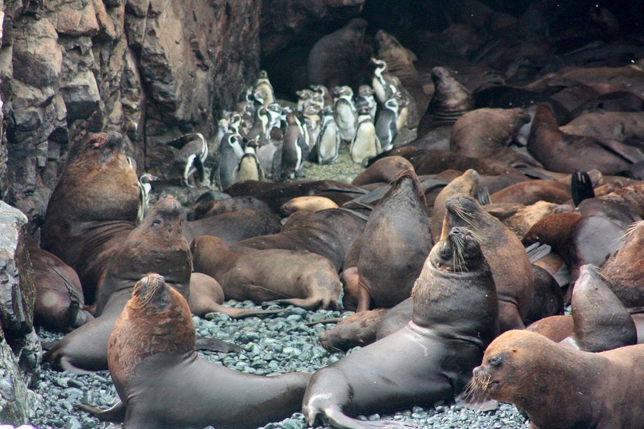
{"x":230,"y":153}
{"x":382,"y":83}
{"x":264,"y":85}
{"x":144,"y":194}
{"x":312,"y":123}
{"x":344,"y":112}
{"x":365,"y":144}
{"x":327,"y":145}
{"x":386,"y":128}
{"x":249,"y":167}
{"x":294,"y":148}
{"x":193,"y":151}
{"x":365,"y":98}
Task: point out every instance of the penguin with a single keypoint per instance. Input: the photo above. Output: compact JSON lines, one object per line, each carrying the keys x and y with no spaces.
{"x":294,"y":149}
{"x":365,"y":98}
{"x":264,"y":85}
{"x":403,"y":110}
{"x":303,"y":97}
{"x":249,"y":167}
{"x":382,"y":83}
{"x":345,"y":113}
{"x":365,"y":144}
{"x":230,"y":153}
{"x":325,"y":93}
{"x":312,"y":122}
{"x":386,"y":129}
{"x":193,"y":151}
{"x":260,"y":128}
{"x":144,"y":194}
{"x":327,"y":145}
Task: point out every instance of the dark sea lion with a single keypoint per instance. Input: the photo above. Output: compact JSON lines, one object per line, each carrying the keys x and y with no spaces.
{"x":351,"y":286}
{"x":624,"y":270}
{"x":162,"y":382}
{"x":303,"y":279}
{"x":335,"y":59}
{"x":623,"y":206}
{"x":59,"y":294}
{"x":233,"y":226}
{"x":449,"y":101}
{"x":514,"y":282}
{"x":487,"y":133}
{"x":466,"y":184}
{"x":547,"y":297}
{"x":276,"y":194}
{"x":428,"y":360}
{"x":558,"y":387}
{"x":205,"y":206}
{"x":566,"y":153}
{"x":395,"y":244}
{"x":92,"y":209}
{"x":626,"y":127}
{"x":532,"y":191}
{"x":383,"y":170}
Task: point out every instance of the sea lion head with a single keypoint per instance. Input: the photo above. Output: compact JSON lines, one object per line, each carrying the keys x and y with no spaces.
{"x":458,"y":251}
{"x":151,"y":295}
{"x":166,"y":214}
{"x":463,"y":211}
{"x":105,"y":145}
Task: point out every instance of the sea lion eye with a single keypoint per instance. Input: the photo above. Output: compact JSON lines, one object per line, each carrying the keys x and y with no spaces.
{"x":156,"y":222}
{"x":496,"y":361}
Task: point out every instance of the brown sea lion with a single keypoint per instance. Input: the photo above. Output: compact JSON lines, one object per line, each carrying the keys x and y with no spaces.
{"x":59,"y":294}
{"x":162,"y":382}
{"x":308,"y":204}
{"x":383,"y":170}
{"x":514,"y":282}
{"x":623,"y":206}
{"x":430,"y":359}
{"x":394,"y":245}
{"x":625,"y":127}
{"x":233,"y":226}
{"x":466,"y":184}
{"x":207,"y":206}
{"x":157,"y":245}
{"x":566,"y":153}
{"x":92,"y":209}
{"x":624,"y":270}
{"x":356,"y":330}
{"x":527,"y":216}
{"x":530,"y":192}
{"x":449,"y":102}
{"x":487,"y":133}
{"x":558,"y":387}
{"x":303,"y":279}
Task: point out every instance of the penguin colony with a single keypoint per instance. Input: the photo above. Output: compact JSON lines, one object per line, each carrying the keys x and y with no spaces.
{"x":262,"y":140}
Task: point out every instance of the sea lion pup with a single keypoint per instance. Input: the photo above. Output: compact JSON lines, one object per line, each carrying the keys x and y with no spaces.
{"x":59,"y":294}
{"x":303,"y":279}
{"x":428,"y":360}
{"x":163,"y":383}
{"x":394,"y":245}
{"x":561,"y":388}
{"x":566,"y":153}
{"x":514,"y":282}
{"x":233,"y":226}
{"x":624,"y":270}
{"x":487,"y":133}
{"x":92,"y":209}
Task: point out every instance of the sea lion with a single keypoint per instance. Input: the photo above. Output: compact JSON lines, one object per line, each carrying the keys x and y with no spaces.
{"x":625,"y":127}
{"x":157,"y":245}
{"x":566,"y":153}
{"x":466,"y":184}
{"x":395,"y":243}
{"x":487,"y":133}
{"x":558,"y":387}
{"x":207,"y":206}
{"x":303,"y":279}
{"x":59,"y":294}
{"x":547,"y":297}
{"x":532,"y":191}
{"x":335,"y":59}
{"x":356,"y":330}
{"x":308,"y":204}
{"x":162,"y":382}
{"x":514,"y":282}
{"x":233,"y":226}
{"x":527,"y":216}
{"x":623,"y":267}
{"x":428,"y":360}
{"x":383,"y":170}
{"x":92,"y":209}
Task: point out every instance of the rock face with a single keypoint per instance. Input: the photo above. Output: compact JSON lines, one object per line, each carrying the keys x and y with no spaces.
{"x":150,"y":69}
{"x":17,"y":296}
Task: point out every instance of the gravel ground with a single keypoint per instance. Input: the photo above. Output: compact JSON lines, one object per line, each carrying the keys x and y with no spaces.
{"x":272,"y":345}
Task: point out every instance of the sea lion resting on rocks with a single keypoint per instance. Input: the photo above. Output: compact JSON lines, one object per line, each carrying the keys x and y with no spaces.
{"x":559,"y":387}
{"x":162,"y":382}
{"x":428,"y":360}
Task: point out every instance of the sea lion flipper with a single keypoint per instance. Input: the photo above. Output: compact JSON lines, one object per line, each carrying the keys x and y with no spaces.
{"x":215,"y":345}
{"x":629,"y":153}
{"x":339,"y":420}
{"x":312,"y":303}
{"x":476,"y":400}
{"x":115,"y":413}
{"x":581,"y":187}
{"x":239,"y":313}
{"x":537,"y":251}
